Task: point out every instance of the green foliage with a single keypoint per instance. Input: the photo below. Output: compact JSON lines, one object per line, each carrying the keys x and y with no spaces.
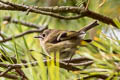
{"x":80,"y":2}
{"x":104,"y":50}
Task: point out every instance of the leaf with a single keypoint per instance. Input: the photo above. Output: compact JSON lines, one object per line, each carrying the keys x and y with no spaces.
{"x":98,"y":46}
{"x":103,"y":1}
{"x":116,"y":21}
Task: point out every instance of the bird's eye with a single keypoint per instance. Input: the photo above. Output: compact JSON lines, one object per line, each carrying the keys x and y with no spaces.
{"x":43,"y":35}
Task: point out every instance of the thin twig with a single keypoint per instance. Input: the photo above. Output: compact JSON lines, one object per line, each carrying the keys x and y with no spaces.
{"x":21,"y":73}
{"x":82,"y":63}
{"x":63,"y":63}
{"x":5,"y":58}
{"x":77,"y":60}
{"x":101,"y":76}
{"x":18,"y":70}
{"x":28,"y":24}
{"x":10,"y":76}
{"x":74,"y":60}
{"x":35,"y":63}
{"x":24,"y":33}
{"x":100,"y":17}
{"x":3,"y":73}
{"x":50,"y":11}
{"x":56,"y":9}
{"x":68,"y":67}
{"x":93,"y":24}
{"x":19,"y":7}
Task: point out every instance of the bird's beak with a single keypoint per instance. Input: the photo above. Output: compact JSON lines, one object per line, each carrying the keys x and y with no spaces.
{"x":38,"y":36}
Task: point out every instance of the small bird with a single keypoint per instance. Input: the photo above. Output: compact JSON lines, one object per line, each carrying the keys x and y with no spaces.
{"x":64,"y":41}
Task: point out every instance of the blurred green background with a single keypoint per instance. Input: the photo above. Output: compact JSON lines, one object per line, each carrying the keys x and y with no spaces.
{"x":104,"y":50}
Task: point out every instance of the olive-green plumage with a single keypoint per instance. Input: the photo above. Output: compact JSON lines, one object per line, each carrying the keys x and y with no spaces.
{"x":64,"y":41}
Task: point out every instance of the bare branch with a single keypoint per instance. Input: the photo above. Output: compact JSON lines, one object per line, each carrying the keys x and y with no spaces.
{"x":50,"y":11}
{"x":101,"y":76}
{"x":21,"y":73}
{"x":77,"y":60}
{"x":3,"y":73}
{"x":35,"y":63}
{"x":63,"y":63}
{"x":10,"y":76}
{"x":18,"y":70}
{"x":68,"y":67}
{"x":82,"y":63}
{"x":56,"y":9}
{"x":8,"y":18}
{"x":100,"y":17}
{"x":19,"y":7}
{"x":24,"y":33}
{"x":93,"y":24}
{"x":5,"y":58}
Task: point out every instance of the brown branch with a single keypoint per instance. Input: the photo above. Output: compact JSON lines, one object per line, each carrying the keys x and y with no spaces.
{"x":18,"y":70}
{"x":101,"y":76}
{"x":63,"y":64}
{"x":8,"y":18}
{"x":19,"y":7}
{"x":24,"y":33}
{"x":56,"y":9}
{"x":35,"y":63}
{"x":77,"y":60}
{"x":68,"y":67}
{"x":99,"y":17}
{"x":10,"y":76}
{"x":5,"y":58}
{"x":82,"y":61}
{"x":49,"y":11}
{"x":3,"y":73}
{"x":21,"y":73}
{"x":93,"y":24}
